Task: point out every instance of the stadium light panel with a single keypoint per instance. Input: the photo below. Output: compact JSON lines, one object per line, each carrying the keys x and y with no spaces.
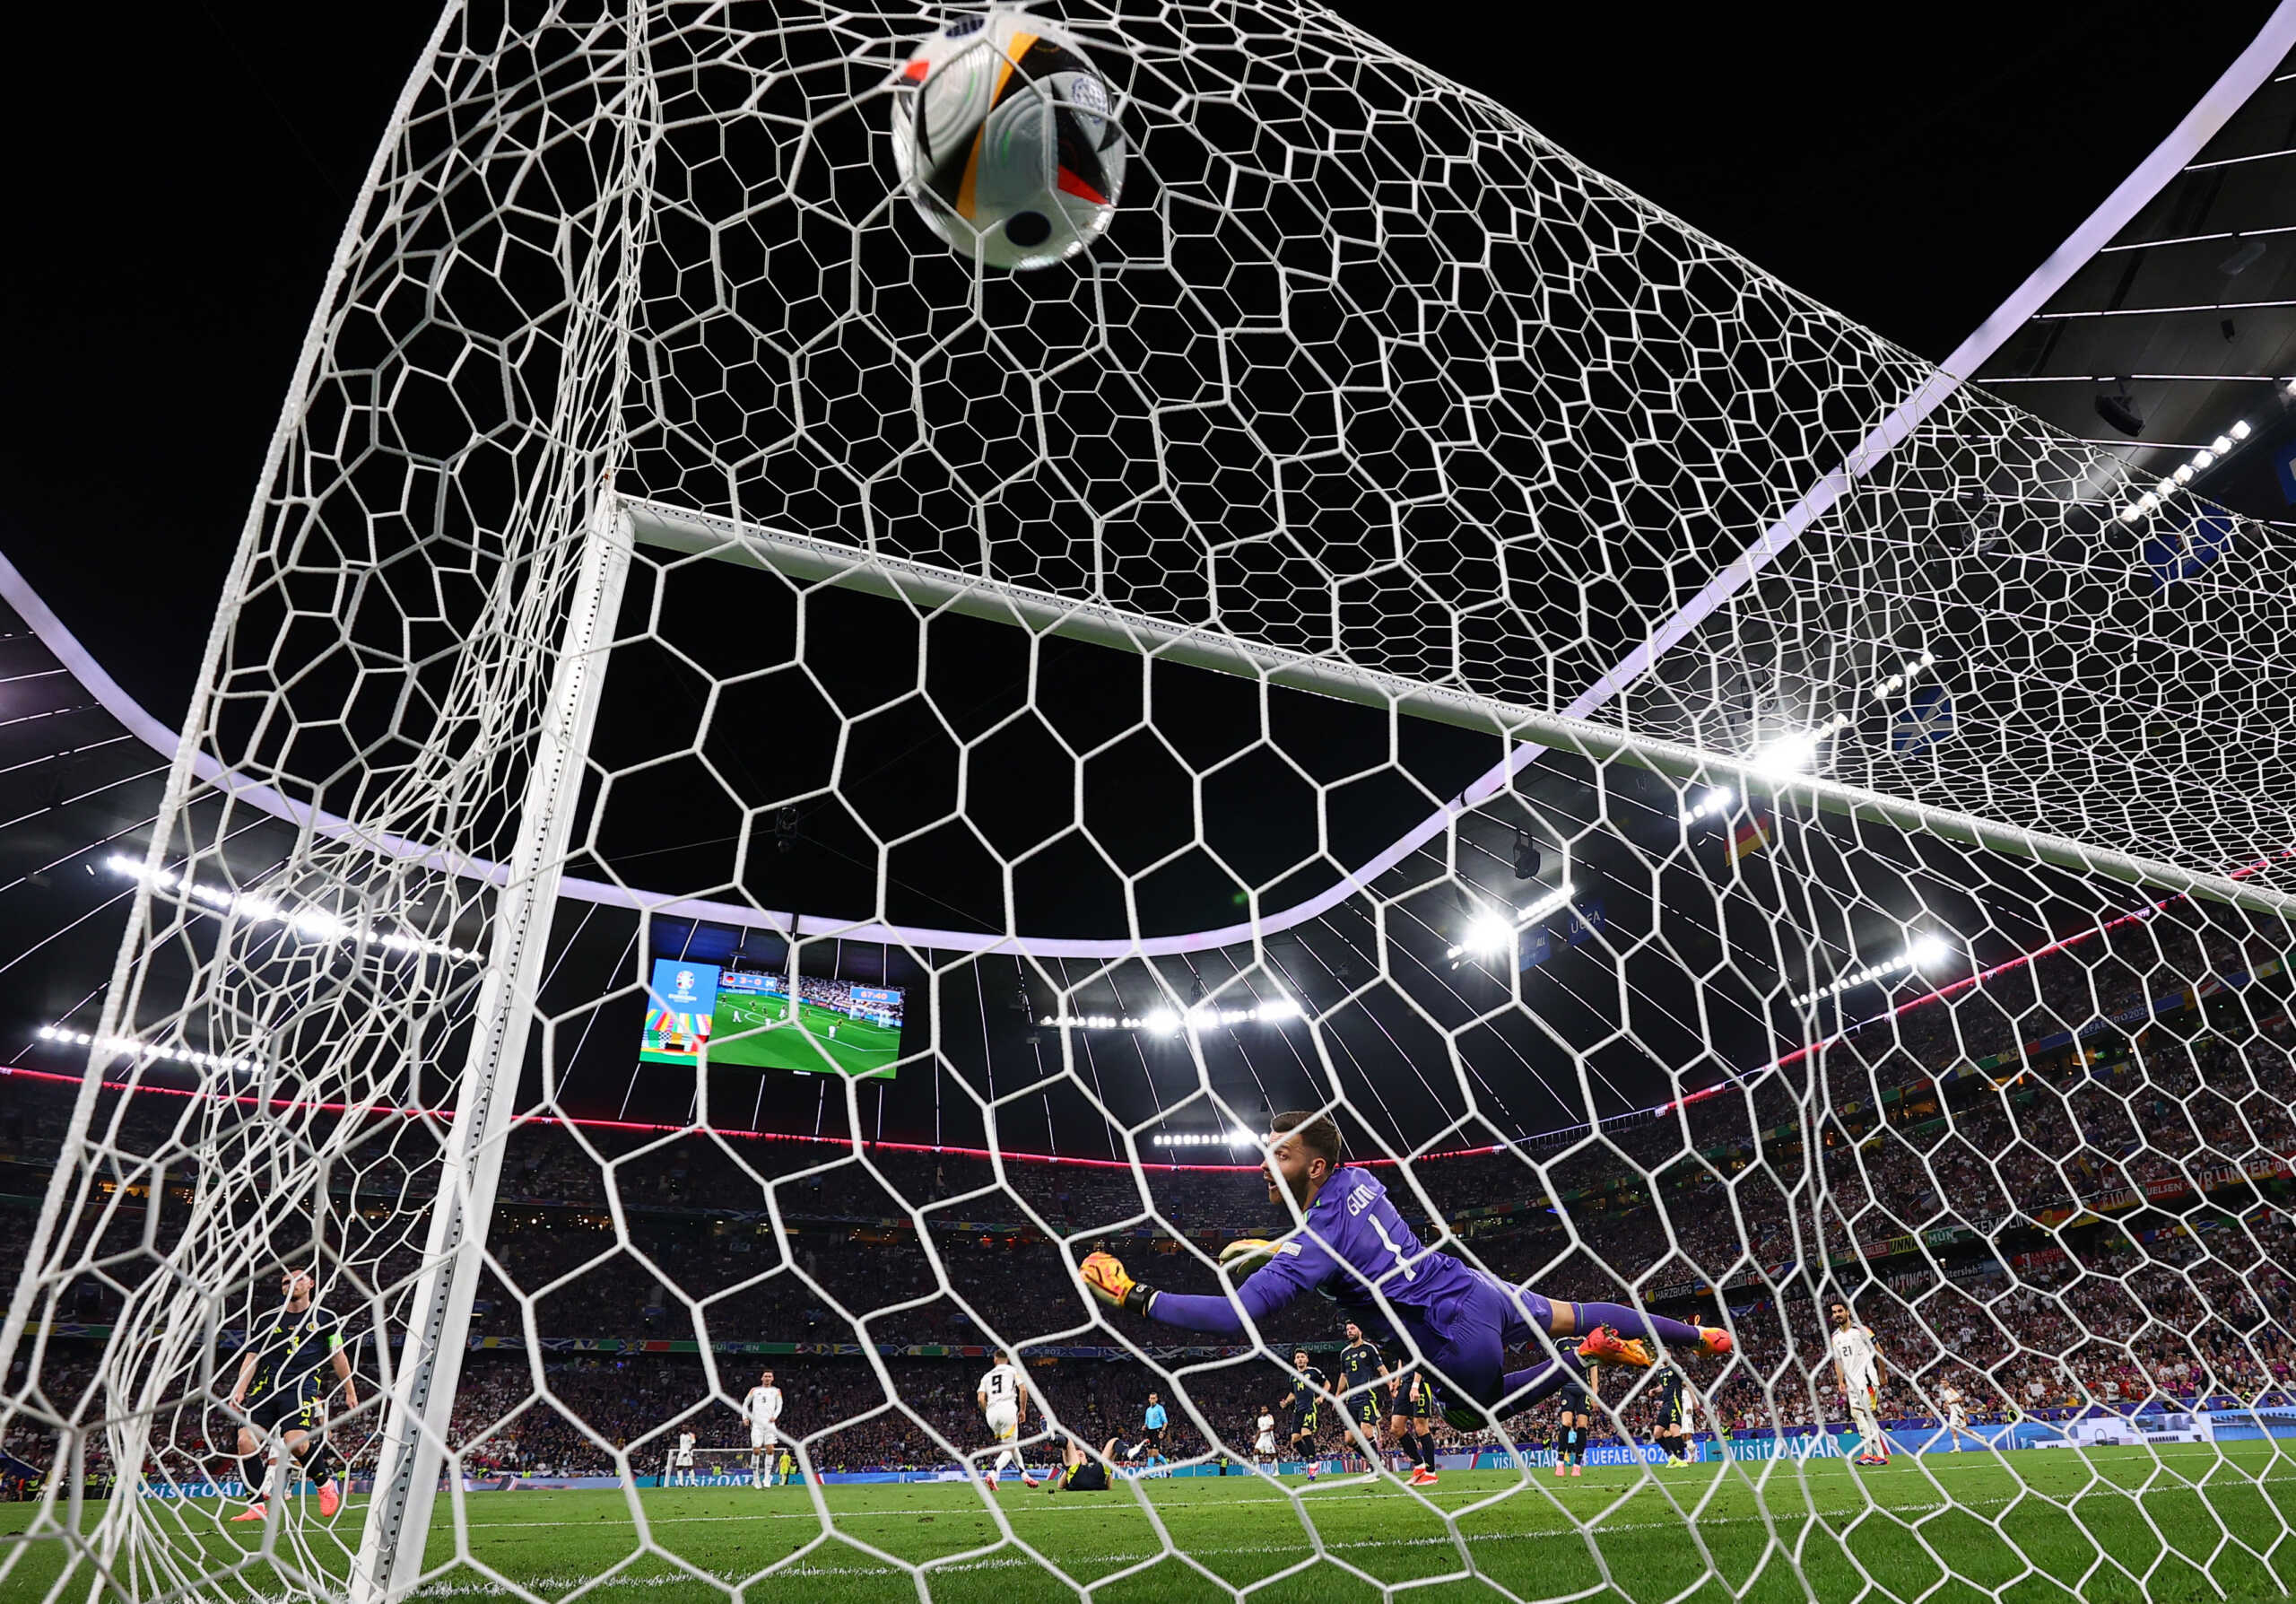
{"x":2202,"y":460}
{"x":1166,"y":1022}
{"x":1920,"y":952}
{"x":313,"y":924}
{"x":1797,"y":751}
{"x":1486,"y":934}
{"x":1490,"y":933}
{"x":129,"y":1045}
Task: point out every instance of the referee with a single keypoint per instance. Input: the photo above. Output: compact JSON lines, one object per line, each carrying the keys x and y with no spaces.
{"x":279,"y":1395}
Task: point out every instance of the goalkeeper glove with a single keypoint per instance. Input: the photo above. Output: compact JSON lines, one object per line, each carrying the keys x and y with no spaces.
{"x":1241,"y":1259}
{"x":1109,"y":1283}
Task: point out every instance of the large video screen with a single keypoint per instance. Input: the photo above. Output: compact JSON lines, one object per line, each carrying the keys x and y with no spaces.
{"x":743,"y":1017}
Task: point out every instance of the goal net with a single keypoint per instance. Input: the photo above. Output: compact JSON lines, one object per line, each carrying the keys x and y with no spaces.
{"x":762,"y":790}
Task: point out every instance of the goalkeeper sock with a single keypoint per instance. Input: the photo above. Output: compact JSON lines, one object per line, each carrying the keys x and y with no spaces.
{"x":1540,"y":1379}
{"x":1633,"y":1322}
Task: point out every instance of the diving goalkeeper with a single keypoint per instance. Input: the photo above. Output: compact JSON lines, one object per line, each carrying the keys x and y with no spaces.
{"x":1461,"y":1319}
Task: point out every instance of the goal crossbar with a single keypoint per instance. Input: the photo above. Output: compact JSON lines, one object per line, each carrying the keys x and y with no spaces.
{"x":929,"y":588}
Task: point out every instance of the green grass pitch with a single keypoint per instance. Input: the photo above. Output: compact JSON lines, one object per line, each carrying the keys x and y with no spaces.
{"x":858,"y":1047}
{"x":2189,"y":1524}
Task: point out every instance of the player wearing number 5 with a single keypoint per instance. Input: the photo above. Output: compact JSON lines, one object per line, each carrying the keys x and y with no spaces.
{"x":284,"y":1398}
{"x":1352,"y":1240}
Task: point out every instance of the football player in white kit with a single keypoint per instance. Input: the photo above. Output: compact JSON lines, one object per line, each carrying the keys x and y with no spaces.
{"x":1264,"y":1445}
{"x":1857,"y":1367}
{"x":681,"y":1462}
{"x":762,"y":1407}
{"x":1957,"y":1420}
{"x":1004,"y":1398}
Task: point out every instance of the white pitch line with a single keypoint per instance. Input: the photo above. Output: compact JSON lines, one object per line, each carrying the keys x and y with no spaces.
{"x":1020,"y":1561}
{"x":1311,"y":1500}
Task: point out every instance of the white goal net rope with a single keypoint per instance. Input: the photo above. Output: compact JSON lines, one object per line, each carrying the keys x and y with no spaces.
{"x":1401,"y":628}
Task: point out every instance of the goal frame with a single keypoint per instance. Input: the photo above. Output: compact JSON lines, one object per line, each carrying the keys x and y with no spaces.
{"x":419,"y":1397}
{"x":807,"y":562}
{"x":420,"y":1390}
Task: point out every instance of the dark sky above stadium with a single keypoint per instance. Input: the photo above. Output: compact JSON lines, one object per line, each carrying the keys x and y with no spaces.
{"x":180,"y":175}
{"x":181,"y":182}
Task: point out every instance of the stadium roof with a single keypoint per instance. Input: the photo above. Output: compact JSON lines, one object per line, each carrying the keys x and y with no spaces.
{"x":2181,"y":309}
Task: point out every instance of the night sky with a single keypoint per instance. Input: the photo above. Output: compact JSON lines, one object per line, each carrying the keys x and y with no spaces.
{"x":180,"y":194}
{"x":182,"y":174}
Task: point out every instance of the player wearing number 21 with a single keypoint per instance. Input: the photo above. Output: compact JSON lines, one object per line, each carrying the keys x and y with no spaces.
{"x":1857,"y":1367}
{"x":1352,"y":1244}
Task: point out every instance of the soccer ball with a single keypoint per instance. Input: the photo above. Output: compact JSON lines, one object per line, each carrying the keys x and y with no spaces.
{"x":1005,"y":142}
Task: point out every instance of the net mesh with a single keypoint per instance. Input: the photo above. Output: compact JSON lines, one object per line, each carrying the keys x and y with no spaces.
{"x":1724,"y":821}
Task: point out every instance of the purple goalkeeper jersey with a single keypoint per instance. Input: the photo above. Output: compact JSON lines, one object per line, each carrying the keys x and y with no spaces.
{"x":1354,"y":1240}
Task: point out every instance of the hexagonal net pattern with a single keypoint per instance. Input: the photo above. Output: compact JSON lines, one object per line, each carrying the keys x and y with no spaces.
{"x":764,"y":797}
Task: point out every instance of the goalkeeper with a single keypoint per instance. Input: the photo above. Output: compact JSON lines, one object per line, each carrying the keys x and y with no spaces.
{"x":1462,"y":1320}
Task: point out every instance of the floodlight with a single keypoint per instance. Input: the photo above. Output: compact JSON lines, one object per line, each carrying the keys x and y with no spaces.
{"x":1487,"y":933}
{"x":1788,"y":753}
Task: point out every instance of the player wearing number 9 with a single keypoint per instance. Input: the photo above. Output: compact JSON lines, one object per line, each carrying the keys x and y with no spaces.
{"x":1461,"y":1319}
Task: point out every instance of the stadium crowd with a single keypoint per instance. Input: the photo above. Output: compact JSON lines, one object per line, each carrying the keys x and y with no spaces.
{"x":2100,"y":1217}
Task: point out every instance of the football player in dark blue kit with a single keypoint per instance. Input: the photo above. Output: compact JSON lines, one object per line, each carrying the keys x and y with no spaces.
{"x":1675,"y":1401}
{"x":279,"y":1392}
{"x":1360,"y":1372}
{"x":1578,"y":1422}
{"x":1302,"y":1411}
{"x":1354,"y":1243}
